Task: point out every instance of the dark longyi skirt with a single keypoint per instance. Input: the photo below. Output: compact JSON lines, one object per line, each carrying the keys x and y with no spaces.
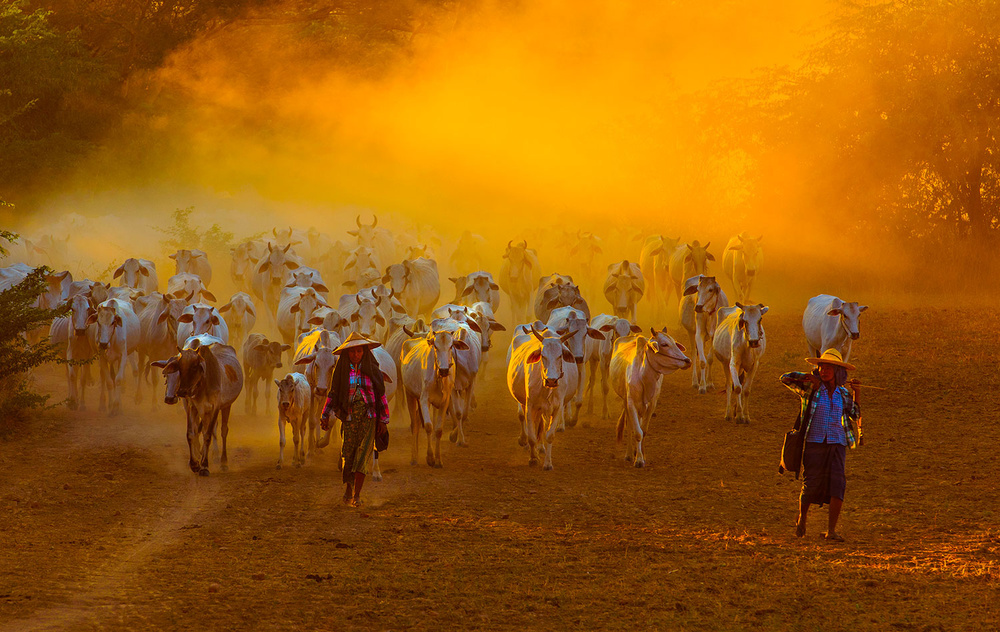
{"x":824,"y":474}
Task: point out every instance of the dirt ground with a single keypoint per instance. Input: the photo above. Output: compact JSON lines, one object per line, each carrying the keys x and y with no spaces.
{"x":102,"y":526}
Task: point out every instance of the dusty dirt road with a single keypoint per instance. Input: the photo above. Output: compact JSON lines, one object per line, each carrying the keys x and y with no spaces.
{"x":102,"y":526}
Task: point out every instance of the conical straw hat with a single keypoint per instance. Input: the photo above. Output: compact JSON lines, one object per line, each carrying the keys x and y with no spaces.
{"x":831,"y":356}
{"x":356,"y":340}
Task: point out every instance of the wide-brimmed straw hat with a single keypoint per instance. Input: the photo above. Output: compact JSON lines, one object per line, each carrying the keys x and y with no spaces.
{"x":356,"y":340}
{"x":831,"y":356}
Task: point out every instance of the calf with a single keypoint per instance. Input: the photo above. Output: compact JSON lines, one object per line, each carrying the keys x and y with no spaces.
{"x":598,"y":354}
{"x":293,"y":408}
{"x":637,"y":369}
{"x":260,"y":358}
{"x":739,"y":343}
{"x":117,"y":338}
{"x":240,"y":315}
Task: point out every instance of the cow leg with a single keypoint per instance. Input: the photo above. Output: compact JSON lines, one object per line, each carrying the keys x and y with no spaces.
{"x":103,"y":364}
{"x":281,"y":442}
{"x":549,"y":435}
{"x":224,"y":459}
{"x":249,"y":389}
{"x":745,"y":396}
{"x":298,"y":441}
{"x":709,"y":358}
{"x":639,"y":435}
{"x":590,"y":388}
{"x":139,"y":375}
{"x":71,"y":400}
{"x":438,"y":432}
{"x":729,"y":394}
{"x":428,"y":421}
{"x":376,"y":470}
{"x":267,"y":395}
{"x":83,"y":375}
{"x":416,"y":423}
{"x":207,"y":435}
{"x":194,"y":443}
{"x":523,"y":439}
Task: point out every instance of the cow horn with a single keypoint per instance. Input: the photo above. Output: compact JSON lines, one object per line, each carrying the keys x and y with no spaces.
{"x":509,"y":244}
{"x":357,"y":220}
{"x":374,"y":220}
{"x":566,"y":336}
{"x":274,"y":231}
{"x":358,"y":299}
{"x":535,"y":332}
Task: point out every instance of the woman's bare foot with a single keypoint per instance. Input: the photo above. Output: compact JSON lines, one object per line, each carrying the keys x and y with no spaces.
{"x":348,"y":494}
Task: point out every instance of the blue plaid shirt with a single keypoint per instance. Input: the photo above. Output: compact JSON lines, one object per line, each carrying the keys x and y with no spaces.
{"x":824,"y":425}
{"x":850,"y":414}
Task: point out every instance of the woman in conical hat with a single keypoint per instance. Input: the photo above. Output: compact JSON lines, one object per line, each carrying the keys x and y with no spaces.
{"x":357,"y":398}
{"x":831,"y":421}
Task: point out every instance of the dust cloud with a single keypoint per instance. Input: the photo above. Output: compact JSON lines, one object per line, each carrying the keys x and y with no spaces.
{"x":530,"y":120}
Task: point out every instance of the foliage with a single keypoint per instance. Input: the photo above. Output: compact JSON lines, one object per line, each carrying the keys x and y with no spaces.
{"x":182,"y":234}
{"x":19,"y":314}
{"x":44,"y":75}
{"x":894,"y":116}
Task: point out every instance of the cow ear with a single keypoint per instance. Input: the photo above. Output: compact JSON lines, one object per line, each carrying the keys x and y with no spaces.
{"x":294,"y":308}
{"x":860,"y":309}
{"x":159,"y":363}
{"x":763,"y":309}
{"x":636,"y":329}
{"x":691,"y":289}
{"x":215,"y":319}
{"x":736,"y":247}
{"x":266,"y":265}
{"x":319,"y":287}
{"x":535,"y":356}
{"x":163,"y":317}
{"x":380,"y":320}
{"x":315,"y":320}
{"x":474,"y":326}
{"x":594,"y":333}
{"x":352,"y":233}
{"x":567,"y":356}
{"x":834,"y":312}
{"x":277,"y":382}
{"x":291,"y":264}
{"x":143,"y":271}
{"x":495,"y":326}
{"x":349,"y":284}
{"x":738,"y":304}
{"x":174,"y":256}
{"x":305,"y":359}
{"x":208,"y":295}
{"x":285,"y":347}
{"x":710,"y":256}
{"x":186,"y":318}
{"x":468,"y":290}
{"x":386,"y":378}
{"x":120,"y":271}
{"x":681,"y":347}
{"x":607,"y":328}
{"x":118,"y":321}
{"x":92,"y":319}
{"x":226,"y":307}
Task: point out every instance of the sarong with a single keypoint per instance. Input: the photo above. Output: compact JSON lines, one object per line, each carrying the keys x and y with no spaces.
{"x":824,"y":473}
{"x":359,"y":439}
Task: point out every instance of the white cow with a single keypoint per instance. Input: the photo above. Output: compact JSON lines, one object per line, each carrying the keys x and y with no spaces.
{"x":741,"y":262}
{"x":117,"y":338}
{"x":598,"y":354}
{"x":467,"y":363}
{"x":331,"y":319}
{"x":81,"y":347}
{"x":201,"y":318}
{"x":363,"y":316}
{"x":739,"y":344}
{"x":428,"y":381}
{"x":654,"y":261}
{"x":572,"y":325}
{"x":240,"y":315}
{"x":623,"y":288}
{"x":477,"y":287}
{"x":295,"y":308}
{"x":541,"y":374}
{"x":517,"y":275}
{"x":188,"y":287}
{"x":686,"y":261}
{"x":637,"y":369}
{"x":831,"y":323}
{"x":379,"y":240}
{"x":416,"y":284}
{"x":304,"y":276}
{"x":314,"y":355}
{"x":293,"y":408}
{"x":246,"y":257}
{"x":482,"y":313}
{"x":158,"y":324}
{"x":193,"y":262}
{"x":270,"y":274}
{"x":699,"y":311}
{"x":139,"y":274}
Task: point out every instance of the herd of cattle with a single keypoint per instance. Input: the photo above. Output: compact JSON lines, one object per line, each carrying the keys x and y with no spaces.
{"x":432,"y":353}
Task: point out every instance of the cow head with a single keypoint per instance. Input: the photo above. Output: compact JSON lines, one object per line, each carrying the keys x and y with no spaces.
{"x":286,"y":393}
{"x":752,"y":322}
{"x":81,"y":311}
{"x":173,"y":308}
{"x":442,"y":344}
{"x":365,"y":233}
{"x":618,"y":328}
{"x":574,"y":334}
{"x":269,"y":353}
{"x":478,"y":287}
{"x":850,"y":315}
{"x":108,"y":320}
{"x":697,"y":258}
{"x":708,"y":290}
{"x":749,"y":251}
{"x":517,"y":255}
{"x":202,"y":318}
{"x":663,"y":353}
{"x":366,"y":318}
{"x":551,"y":354}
